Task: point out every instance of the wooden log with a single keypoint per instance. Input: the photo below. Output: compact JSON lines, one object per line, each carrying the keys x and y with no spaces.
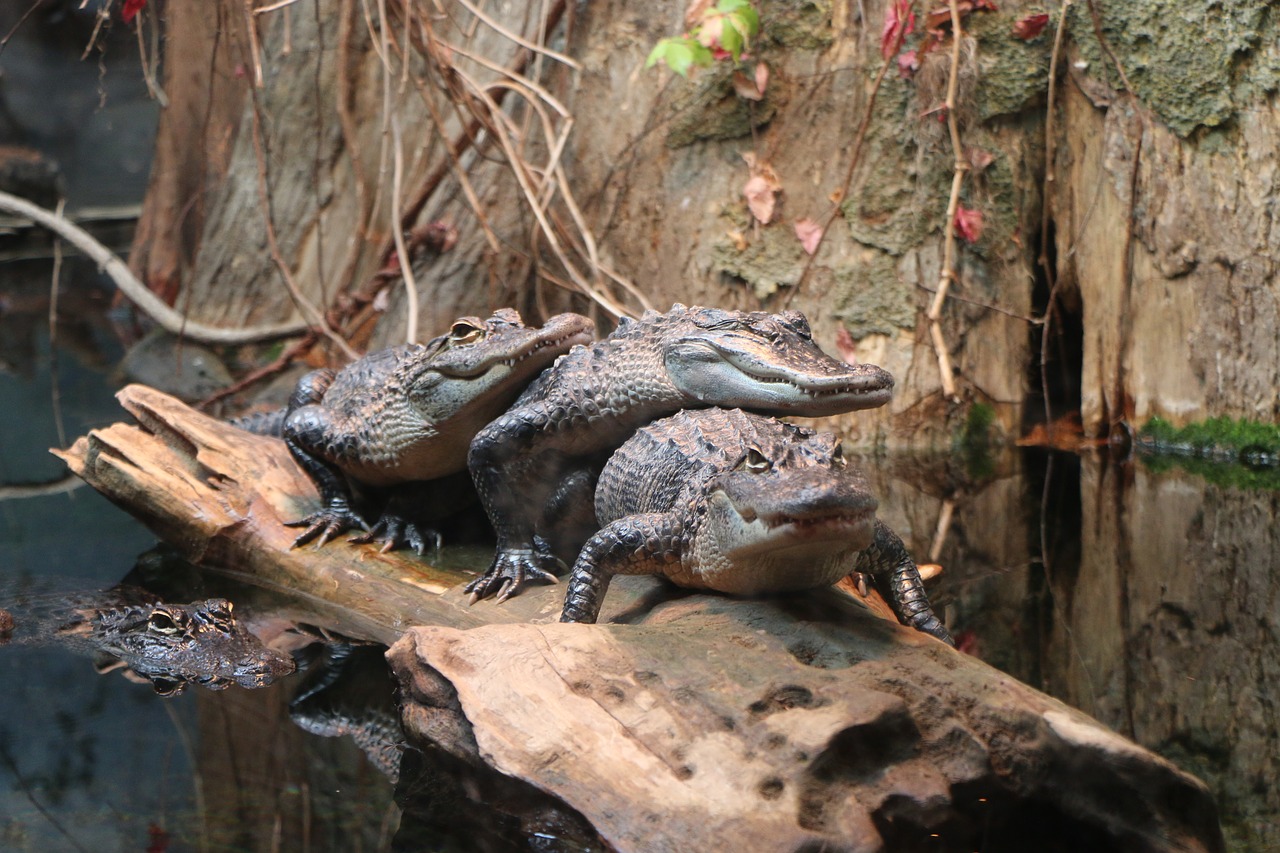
{"x":683,"y":721}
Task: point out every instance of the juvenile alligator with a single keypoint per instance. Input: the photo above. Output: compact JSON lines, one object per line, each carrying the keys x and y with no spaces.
{"x":169,"y":645}
{"x":728,"y":501}
{"x":400,"y":416}
{"x":534,"y":466}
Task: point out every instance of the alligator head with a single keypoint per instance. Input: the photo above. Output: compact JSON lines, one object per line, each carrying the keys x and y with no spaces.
{"x":172,"y":645}
{"x":486,"y":362}
{"x":786,"y":516}
{"x":756,"y":360}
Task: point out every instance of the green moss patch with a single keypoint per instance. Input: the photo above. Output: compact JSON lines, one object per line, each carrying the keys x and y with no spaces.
{"x":706,"y":108}
{"x":772,"y":258}
{"x":1225,"y":451}
{"x":1013,"y":74}
{"x":1194,"y":64}
{"x":871,"y":298}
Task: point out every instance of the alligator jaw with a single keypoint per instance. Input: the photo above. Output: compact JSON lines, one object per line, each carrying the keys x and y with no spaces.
{"x":739,"y":371}
{"x":559,"y":334}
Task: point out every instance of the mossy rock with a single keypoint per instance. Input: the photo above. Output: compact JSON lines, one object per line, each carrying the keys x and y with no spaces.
{"x":1013,"y":75}
{"x":1193,"y":64}
{"x":796,"y":24}
{"x":871,"y":298}
{"x":705,"y":108}
{"x":772,"y":258}
{"x":900,"y":195}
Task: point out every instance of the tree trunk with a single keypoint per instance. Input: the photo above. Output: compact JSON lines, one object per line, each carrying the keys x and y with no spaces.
{"x":656,"y":167}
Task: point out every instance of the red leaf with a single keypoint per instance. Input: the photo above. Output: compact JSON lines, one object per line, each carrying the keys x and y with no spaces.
{"x":809,"y":233}
{"x":908,"y":63}
{"x":131,"y":8}
{"x":968,"y":224}
{"x":845,"y":347}
{"x":1030,"y":27}
{"x":899,"y":22}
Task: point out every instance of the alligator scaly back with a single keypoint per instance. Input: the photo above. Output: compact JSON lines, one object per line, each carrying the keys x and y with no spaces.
{"x":735,"y":502}
{"x":406,"y":415}
{"x":534,"y":466}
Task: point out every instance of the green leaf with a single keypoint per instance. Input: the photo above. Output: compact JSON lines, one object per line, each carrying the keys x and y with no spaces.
{"x":702,"y":55}
{"x":731,"y":38}
{"x":747,"y":21}
{"x":732,"y":5}
{"x":679,"y":58}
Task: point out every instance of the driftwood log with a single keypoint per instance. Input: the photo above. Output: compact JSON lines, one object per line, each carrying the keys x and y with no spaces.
{"x":682,"y":721}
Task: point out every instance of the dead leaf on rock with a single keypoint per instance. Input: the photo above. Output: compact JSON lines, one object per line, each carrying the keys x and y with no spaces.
{"x":969,"y":224}
{"x":695,"y":12}
{"x":738,"y":239}
{"x":809,"y":233}
{"x":761,"y":189}
{"x":745,"y":87}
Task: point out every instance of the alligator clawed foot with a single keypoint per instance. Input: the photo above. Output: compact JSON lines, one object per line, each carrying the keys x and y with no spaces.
{"x":508,"y":575}
{"x":392,"y":531}
{"x":326,"y":524}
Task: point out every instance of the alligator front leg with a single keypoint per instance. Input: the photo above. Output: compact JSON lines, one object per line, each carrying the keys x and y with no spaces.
{"x":513,"y":484}
{"x":634,"y":545}
{"x":306,"y":426}
{"x":898,"y":580}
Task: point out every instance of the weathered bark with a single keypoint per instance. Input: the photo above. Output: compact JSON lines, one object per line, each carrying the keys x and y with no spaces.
{"x":690,"y":721}
{"x":1165,"y":225}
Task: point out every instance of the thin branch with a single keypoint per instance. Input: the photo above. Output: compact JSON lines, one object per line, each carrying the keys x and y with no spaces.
{"x":55,"y":393}
{"x":146,"y":301}
{"x":518,"y":39}
{"x":953,"y":203}
{"x":285,"y":358}
{"x":406,"y":267}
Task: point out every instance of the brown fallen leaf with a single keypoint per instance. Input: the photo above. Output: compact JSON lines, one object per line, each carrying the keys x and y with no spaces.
{"x":745,"y":87}
{"x":1030,"y":27}
{"x":761,"y":189}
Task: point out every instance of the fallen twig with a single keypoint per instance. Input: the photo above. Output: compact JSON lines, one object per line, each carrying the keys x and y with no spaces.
{"x":153,"y":306}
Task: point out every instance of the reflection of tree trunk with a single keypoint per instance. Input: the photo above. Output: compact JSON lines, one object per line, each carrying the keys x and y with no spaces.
{"x":268,"y":785}
{"x":1169,"y":633}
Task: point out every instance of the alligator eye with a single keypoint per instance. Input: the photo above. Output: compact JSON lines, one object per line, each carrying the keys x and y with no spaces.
{"x":167,"y":686}
{"x":162,"y":623}
{"x":465,"y":333}
{"x":755,"y":462}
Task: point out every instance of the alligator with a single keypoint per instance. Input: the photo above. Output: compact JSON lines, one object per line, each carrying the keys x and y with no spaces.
{"x":724,"y":500}
{"x":167,"y":645}
{"x":534,"y":467}
{"x":400,"y":416}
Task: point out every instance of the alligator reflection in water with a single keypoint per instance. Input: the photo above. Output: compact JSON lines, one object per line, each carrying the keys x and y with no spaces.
{"x":167,"y":645}
{"x":1157,"y":610}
